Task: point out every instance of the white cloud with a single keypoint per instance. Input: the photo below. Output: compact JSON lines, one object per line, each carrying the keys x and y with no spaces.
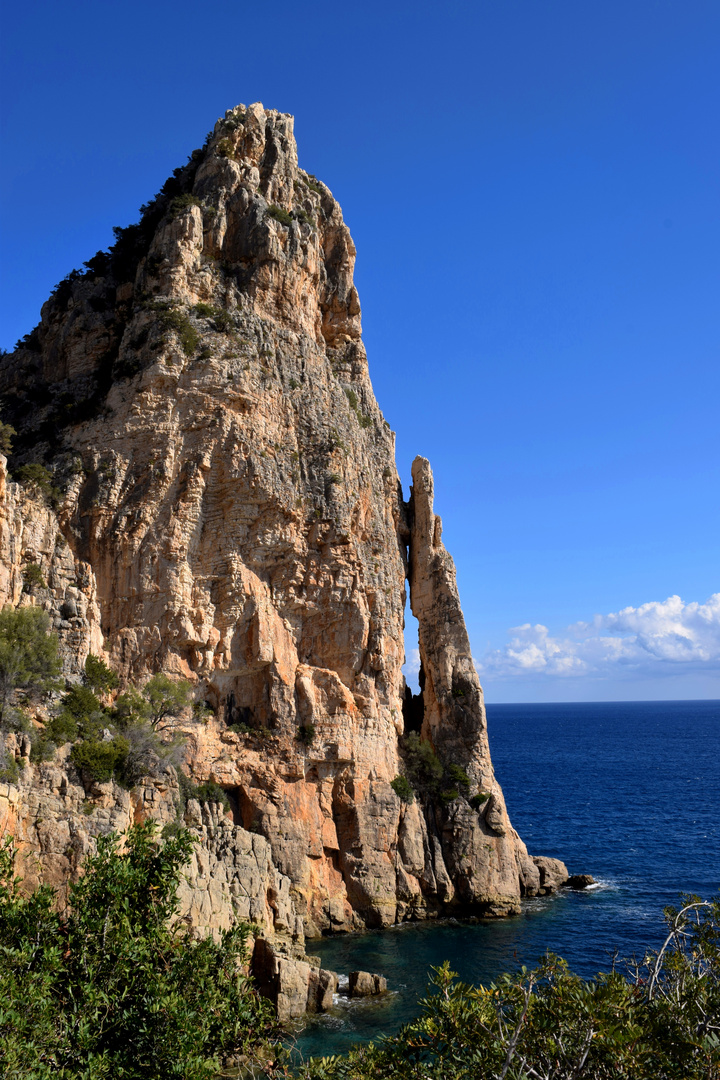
{"x":661,"y":637}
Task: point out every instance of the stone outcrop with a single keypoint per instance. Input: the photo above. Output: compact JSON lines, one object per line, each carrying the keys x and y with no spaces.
{"x":229,"y":511}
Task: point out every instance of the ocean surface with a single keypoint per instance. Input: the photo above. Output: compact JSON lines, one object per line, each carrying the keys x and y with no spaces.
{"x":626,"y":791}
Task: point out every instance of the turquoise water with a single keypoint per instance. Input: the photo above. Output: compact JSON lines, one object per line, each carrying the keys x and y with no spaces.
{"x":626,"y":791}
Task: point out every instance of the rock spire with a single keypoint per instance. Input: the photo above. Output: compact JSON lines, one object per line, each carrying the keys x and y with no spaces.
{"x":227,"y":509}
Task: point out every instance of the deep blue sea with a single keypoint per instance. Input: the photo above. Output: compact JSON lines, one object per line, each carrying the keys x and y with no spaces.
{"x":626,"y":791}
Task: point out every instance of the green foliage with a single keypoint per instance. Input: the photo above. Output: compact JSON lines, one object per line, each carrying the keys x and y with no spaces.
{"x":177,"y":321}
{"x":479,"y":799}
{"x":117,"y":989}
{"x":182,"y":202}
{"x":225,"y":148}
{"x":293,"y":384}
{"x":279,"y":214}
{"x":223,"y":321}
{"x":28,"y":654}
{"x":211,"y":792}
{"x":660,"y":1021}
{"x":62,"y":729}
{"x":459,"y":777}
{"x":423,"y":767}
{"x":363,"y":420}
{"x":166,"y":698}
{"x":7,"y":432}
{"x":403,"y":789}
{"x":306,"y":734}
{"x":98,"y":676}
{"x":39,"y":478}
{"x":33,"y":577}
{"x":101,"y":760}
{"x":313,"y":184}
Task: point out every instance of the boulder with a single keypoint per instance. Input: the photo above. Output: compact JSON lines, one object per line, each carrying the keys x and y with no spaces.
{"x":366,"y":984}
{"x":553,"y":873}
{"x":579,"y":881}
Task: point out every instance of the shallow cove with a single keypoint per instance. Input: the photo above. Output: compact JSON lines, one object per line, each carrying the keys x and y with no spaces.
{"x":626,"y":791}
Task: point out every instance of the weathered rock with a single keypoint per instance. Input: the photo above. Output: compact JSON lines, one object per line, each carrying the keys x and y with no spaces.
{"x":553,"y":873}
{"x":366,"y":984}
{"x":231,"y":513}
{"x":579,"y":881}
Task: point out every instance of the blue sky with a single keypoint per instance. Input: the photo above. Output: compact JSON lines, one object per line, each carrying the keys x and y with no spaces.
{"x":533,"y":188}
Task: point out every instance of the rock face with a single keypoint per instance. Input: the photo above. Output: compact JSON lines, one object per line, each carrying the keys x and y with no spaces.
{"x":230,"y":512}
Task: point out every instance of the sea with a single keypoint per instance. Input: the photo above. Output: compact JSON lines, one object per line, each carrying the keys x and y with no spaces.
{"x":626,"y":791}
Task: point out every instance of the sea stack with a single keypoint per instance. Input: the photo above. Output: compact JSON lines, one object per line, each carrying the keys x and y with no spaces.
{"x":227,"y":509}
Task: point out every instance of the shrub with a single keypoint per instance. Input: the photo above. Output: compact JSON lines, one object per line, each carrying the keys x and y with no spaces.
{"x":182,"y":202}
{"x":459,"y":777}
{"x":364,"y":420}
{"x":28,"y":654}
{"x":211,"y":792}
{"x":117,"y":986}
{"x":39,"y":478}
{"x":306,"y":734}
{"x":98,"y":676}
{"x":204,"y":311}
{"x":178,"y":323}
{"x":352,"y":397}
{"x":33,"y":577}
{"x":279,"y":214}
{"x":424,"y":769}
{"x":100,"y":760}
{"x":7,"y":432}
{"x":166,"y":698}
{"x":403,"y":789}
{"x":479,"y":799}
{"x":62,"y":729}
{"x":225,"y":148}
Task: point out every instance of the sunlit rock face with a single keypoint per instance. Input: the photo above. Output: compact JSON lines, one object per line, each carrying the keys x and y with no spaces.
{"x":231,"y":513}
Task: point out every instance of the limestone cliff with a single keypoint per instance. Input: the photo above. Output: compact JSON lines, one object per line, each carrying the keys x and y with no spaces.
{"x":230,"y":511}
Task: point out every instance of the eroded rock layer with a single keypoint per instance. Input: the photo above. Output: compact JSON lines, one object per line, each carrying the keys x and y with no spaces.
{"x":229,"y":511}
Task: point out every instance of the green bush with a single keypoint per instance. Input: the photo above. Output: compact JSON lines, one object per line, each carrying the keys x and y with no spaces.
{"x":39,"y":478}
{"x":352,"y":398}
{"x":7,"y":433}
{"x":279,"y":214}
{"x":28,"y":654}
{"x":62,"y":729}
{"x":166,"y":698}
{"x":423,"y":767}
{"x":306,"y":734}
{"x":100,"y":760}
{"x":98,"y":676}
{"x":211,"y":792}
{"x":182,"y":202}
{"x":178,"y":322}
{"x":33,"y":577}
{"x":459,"y":777}
{"x":204,"y":311}
{"x":117,"y":988}
{"x":479,"y":799}
{"x":403,"y":789}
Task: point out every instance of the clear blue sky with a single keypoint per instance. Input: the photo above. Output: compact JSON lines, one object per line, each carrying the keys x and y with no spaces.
{"x":533,"y":189}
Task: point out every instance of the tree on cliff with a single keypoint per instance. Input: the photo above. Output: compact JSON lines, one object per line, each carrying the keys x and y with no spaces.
{"x":117,"y":988}
{"x":28,"y":653}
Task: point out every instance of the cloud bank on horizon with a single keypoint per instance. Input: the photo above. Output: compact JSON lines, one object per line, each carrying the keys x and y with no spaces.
{"x":660,"y":637}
